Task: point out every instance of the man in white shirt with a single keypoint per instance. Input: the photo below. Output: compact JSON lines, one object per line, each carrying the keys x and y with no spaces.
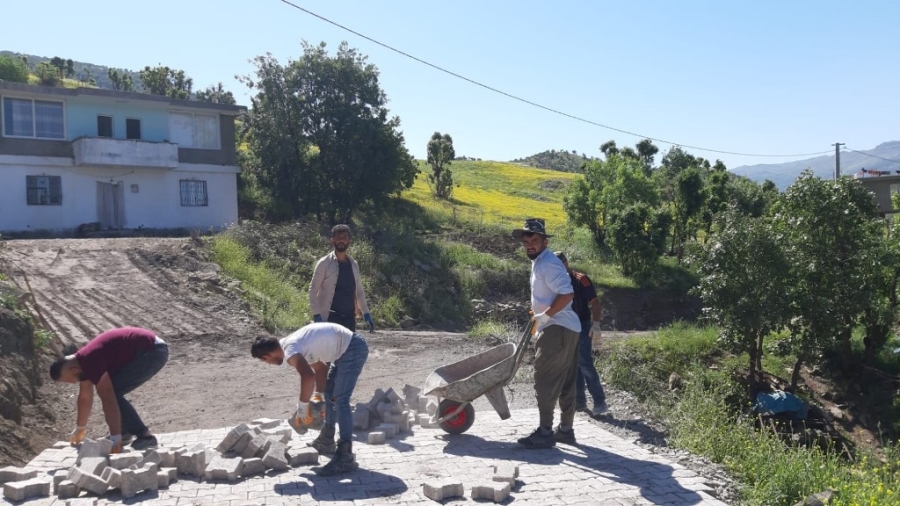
{"x":309,"y":350}
{"x":556,"y":346}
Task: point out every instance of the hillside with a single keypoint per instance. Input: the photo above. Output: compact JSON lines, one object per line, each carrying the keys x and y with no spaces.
{"x":884,"y":157}
{"x":83,"y":71}
{"x":558,"y":160}
{"x":498,"y":193}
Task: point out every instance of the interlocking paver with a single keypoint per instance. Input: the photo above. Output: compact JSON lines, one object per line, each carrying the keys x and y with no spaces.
{"x":606,"y":469}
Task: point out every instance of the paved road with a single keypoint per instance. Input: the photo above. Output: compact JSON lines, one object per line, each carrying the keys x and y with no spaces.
{"x":602,"y":469}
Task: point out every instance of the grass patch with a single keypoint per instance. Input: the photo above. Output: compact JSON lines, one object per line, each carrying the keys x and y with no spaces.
{"x":488,"y":328}
{"x":281,"y":305}
{"x":43,"y":337}
{"x":705,"y":417}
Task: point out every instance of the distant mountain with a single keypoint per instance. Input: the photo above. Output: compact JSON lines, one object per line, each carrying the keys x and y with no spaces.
{"x":885,"y":157}
{"x":559,"y":160}
{"x":83,"y":71}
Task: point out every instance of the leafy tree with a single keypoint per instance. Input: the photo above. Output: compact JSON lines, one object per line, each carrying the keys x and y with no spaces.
{"x":320,"y":133}
{"x":60,"y":64}
{"x":743,"y":285}
{"x":121,"y":80}
{"x":689,"y":200}
{"x":609,"y":148}
{"x":832,"y":236}
{"x":13,"y":70}
{"x":70,"y":68}
{"x":750,"y":197}
{"x":607,"y":185}
{"x":440,"y":156}
{"x":715,"y":195}
{"x":166,"y":81}
{"x":47,"y":74}
{"x":647,"y":152}
{"x":216,"y":94}
{"x":637,"y":237}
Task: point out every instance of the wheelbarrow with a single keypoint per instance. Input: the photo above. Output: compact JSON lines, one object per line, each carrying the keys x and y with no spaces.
{"x":457,"y":385}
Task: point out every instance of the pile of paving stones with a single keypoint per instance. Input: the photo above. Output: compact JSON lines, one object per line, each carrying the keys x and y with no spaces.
{"x":388,"y":414}
{"x":497,"y":489}
{"x":247,"y":450}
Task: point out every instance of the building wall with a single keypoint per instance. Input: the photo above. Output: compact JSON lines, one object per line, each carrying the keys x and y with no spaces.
{"x":156,"y":204}
{"x":82,"y":112}
{"x":881,"y":187}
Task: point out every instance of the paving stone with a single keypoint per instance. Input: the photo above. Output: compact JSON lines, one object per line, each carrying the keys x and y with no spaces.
{"x":390,"y":430}
{"x":281,"y":435}
{"x":112,"y":477}
{"x":166,"y":457}
{"x":443,"y":489}
{"x":232,"y":437}
{"x":275,"y":457}
{"x":61,"y":445}
{"x":243,"y":441}
{"x":411,"y":395}
{"x":192,"y":463}
{"x":135,"y":482}
{"x":376,"y":437}
{"x":221,"y":468}
{"x":94,"y":448}
{"x":507,"y":473}
{"x":87,"y":481}
{"x":124,"y":460}
{"x":404,"y":422}
{"x":26,"y":489}
{"x":256,"y":447}
{"x":431,"y":407}
{"x":302,"y":456}
{"x":93,"y":465}
{"x":361,"y":417}
{"x":11,"y":473}
{"x":67,"y":490}
{"x":266,"y":423}
{"x":426,"y":422}
{"x":151,"y":457}
{"x":162,"y":480}
{"x":58,"y":478}
{"x":423,"y":405}
{"x":377,"y":398}
{"x":492,"y":491}
{"x":394,"y":398}
{"x":82,"y":501}
{"x":253,"y":467}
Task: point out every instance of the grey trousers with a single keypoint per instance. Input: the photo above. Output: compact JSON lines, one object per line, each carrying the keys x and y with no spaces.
{"x":555,"y":355}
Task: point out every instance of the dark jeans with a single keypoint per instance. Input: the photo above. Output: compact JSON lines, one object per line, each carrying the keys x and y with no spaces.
{"x":346,"y":321}
{"x":342,"y":376}
{"x":587,"y":373}
{"x":133,"y":375}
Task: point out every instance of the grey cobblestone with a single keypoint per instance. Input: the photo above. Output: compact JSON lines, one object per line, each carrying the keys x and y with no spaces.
{"x":604,"y":468}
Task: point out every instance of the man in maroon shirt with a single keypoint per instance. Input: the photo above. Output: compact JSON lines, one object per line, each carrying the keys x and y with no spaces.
{"x":115,"y":362}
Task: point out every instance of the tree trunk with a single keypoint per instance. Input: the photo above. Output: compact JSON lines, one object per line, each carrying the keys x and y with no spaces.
{"x":795,"y":374}
{"x":751,"y":375}
{"x":759,"y":353}
{"x":846,"y":347}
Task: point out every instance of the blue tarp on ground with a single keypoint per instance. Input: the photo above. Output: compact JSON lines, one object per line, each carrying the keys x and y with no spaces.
{"x":781,"y":402}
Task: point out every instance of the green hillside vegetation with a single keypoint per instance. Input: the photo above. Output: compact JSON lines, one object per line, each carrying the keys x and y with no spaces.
{"x":84,"y":73}
{"x":559,"y":160}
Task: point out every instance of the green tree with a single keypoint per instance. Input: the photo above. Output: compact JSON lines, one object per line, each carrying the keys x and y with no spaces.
{"x":744,"y":274}
{"x":637,"y":238}
{"x":216,"y":94}
{"x":60,"y":65}
{"x":321,"y":136}
{"x":689,"y":200}
{"x":13,"y":70}
{"x":647,"y":152}
{"x":70,"y":68}
{"x":715,"y":196}
{"x":832,"y":236}
{"x":440,"y":156}
{"x":47,"y":73}
{"x":166,"y":81}
{"x":607,"y":185}
{"x":750,"y":197}
{"x":121,"y":79}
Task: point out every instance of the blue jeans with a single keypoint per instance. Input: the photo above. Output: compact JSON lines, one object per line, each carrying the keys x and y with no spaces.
{"x":139,"y":371}
{"x":587,"y":374}
{"x":342,"y":376}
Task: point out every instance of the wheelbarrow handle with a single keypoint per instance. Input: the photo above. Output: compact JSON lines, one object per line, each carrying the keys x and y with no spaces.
{"x":520,"y":349}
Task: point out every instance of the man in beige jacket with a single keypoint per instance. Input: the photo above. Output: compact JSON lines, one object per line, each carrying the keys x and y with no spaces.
{"x":336,"y":294}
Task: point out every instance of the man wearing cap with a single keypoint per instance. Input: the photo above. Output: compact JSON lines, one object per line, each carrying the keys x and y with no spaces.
{"x":587,"y":307}
{"x":556,"y":345}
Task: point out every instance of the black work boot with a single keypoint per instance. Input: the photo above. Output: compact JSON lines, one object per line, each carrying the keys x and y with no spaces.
{"x":324,"y":444}
{"x":343,"y":461}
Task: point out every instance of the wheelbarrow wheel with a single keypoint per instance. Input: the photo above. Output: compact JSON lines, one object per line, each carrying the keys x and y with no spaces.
{"x":459,"y":423}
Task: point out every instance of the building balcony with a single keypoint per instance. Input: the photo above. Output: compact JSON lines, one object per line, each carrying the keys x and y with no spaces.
{"x":107,"y":152}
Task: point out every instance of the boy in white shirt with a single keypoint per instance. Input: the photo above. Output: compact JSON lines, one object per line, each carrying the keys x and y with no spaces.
{"x":308,"y":351}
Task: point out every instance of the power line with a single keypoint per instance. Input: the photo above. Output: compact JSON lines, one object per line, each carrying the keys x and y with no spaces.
{"x":873,"y":156}
{"x":535,"y":104}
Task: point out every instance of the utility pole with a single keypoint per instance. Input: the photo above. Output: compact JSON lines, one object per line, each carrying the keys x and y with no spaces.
{"x":837,"y":160}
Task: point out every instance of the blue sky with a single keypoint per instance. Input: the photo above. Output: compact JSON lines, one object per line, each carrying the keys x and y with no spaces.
{"x":754,"y":77}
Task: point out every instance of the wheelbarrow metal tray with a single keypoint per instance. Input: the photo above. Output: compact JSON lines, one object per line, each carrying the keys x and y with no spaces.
{"x":472,"y":377}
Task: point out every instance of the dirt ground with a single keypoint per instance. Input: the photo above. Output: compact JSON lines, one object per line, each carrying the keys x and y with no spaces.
{"x":85,"y":286}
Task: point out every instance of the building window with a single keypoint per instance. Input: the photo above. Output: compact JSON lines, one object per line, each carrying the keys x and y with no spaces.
{"x":104,"y":126}
{"x":44,"y":190}
{"x":194,"y":130}
{"x":33,"y":118}
{"x":133,"y":129}
{"x":193,"y":193}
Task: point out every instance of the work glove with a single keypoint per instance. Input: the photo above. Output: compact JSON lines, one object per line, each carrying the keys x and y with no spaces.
{"x":368,"y":318}
{"x":595,"y":330}
{"x":317,"y":410}
{"x":77,"y":435}
{"x":302,"y":420}
{"x":117,"y":443}
{"x":317,"y":318}
{"x":541,"y":320}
